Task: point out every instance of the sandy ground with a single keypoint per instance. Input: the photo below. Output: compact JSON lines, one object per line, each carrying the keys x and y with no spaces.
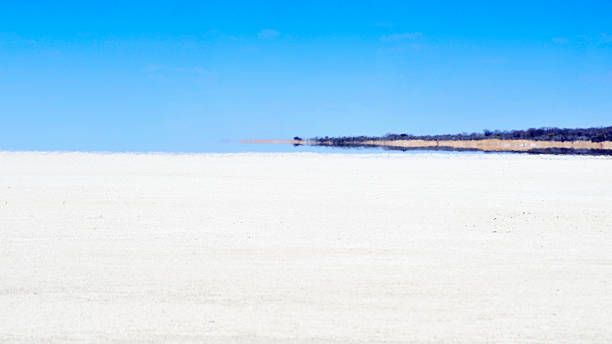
{"x":486,"y":145}
{"x":495,"y":145}
{"x":305,"y":248}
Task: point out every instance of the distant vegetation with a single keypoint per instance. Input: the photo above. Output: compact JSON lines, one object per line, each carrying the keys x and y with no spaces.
{"x":541,"y":134}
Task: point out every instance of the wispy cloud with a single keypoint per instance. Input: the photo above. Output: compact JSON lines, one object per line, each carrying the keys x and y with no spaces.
{"x":602,"y":38}
{"x":398,"y":50}
{"x":400,"y":36}
{"x":267,"y":34}
{"x":560,"y":40}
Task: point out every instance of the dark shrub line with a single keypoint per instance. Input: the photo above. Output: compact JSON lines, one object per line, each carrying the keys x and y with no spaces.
{"x":541,"y":134}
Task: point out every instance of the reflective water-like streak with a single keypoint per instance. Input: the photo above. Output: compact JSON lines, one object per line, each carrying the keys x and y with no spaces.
{"x":486,"y":145}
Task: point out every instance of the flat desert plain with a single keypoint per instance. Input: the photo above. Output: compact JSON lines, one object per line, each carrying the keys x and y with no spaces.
{"x":305,"y":248}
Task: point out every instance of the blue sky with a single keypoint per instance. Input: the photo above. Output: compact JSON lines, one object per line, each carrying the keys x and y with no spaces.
{"x":187,"y":76}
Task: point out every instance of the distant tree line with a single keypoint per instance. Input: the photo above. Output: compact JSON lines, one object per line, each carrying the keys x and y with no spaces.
{"x":540,"y":134}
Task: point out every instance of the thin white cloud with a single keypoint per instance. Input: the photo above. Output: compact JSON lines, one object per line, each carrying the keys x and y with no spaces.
{"x":268,"y":33}
{"x":401,"y":36}
{"x":384,"y":24}
{"x":560,"y":40}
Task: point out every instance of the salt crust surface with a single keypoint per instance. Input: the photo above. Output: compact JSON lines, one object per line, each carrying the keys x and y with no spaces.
{"x":305,"y":248}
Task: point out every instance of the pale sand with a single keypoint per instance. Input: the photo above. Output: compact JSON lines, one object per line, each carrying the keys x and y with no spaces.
{"x":305,"y":248}
{"x":487,"y":145}
{"x":496,"y":145}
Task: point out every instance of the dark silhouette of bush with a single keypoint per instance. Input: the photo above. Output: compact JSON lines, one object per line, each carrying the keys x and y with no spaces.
{"x":538,"y":134}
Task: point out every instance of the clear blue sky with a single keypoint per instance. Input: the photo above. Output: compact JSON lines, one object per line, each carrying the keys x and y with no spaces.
{"x":184,"y":76}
